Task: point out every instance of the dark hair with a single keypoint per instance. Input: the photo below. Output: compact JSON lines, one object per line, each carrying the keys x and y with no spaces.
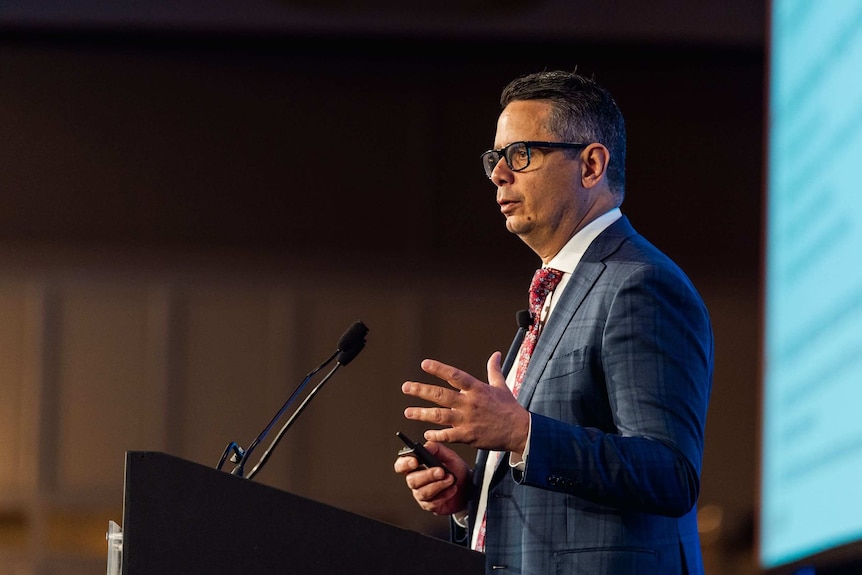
{"x":583,"y":111}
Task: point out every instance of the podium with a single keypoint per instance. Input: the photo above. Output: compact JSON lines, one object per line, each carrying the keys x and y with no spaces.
{"x":180,"y":517}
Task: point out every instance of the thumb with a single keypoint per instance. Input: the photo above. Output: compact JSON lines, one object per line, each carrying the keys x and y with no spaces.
{"x":495,"y":372}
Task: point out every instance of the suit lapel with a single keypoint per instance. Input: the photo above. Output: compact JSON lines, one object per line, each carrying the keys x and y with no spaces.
{"x":584,"y":277}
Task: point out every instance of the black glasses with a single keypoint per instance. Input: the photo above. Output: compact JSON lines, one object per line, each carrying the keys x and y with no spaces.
{"x":518,"y":154}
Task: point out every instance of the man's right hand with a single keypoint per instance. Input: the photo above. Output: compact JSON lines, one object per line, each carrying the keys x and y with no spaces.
{"x":433,"y":489}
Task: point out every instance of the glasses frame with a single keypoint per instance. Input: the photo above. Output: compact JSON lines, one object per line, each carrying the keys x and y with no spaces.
{"x":503,"y":153}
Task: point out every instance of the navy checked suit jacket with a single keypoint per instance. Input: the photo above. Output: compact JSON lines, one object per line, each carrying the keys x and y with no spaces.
{"x":618,"y":388}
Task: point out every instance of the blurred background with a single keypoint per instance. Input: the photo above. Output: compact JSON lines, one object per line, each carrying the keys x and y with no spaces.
{"x":198,"y":198}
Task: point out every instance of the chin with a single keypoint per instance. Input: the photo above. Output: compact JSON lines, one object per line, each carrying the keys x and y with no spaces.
{"x":518,"y":227}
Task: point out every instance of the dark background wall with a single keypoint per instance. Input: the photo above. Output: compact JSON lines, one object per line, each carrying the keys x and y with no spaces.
{"x":258,"y":143}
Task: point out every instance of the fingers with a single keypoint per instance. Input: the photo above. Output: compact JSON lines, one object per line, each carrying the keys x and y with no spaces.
{"x":419,"y":478}
{"x":437,"y":394}
{"x":405,"y":465}
{"x":433,"y":393}
{"x":434,"y":416}
{"x":458,"y":379}
{"x":440,"y":503}
{"x":463,"y":414}
{"x":495,"y":372}
{"x":431,"y":488}
{"x":425,"y":479}
{"x":447,"y":400}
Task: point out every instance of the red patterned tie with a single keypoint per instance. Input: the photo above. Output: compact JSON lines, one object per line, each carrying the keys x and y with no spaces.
{"x":544,"y":282}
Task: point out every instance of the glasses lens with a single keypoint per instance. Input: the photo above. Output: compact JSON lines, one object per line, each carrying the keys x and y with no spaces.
{"x":489,"y":161}
{"x":517,"y":156}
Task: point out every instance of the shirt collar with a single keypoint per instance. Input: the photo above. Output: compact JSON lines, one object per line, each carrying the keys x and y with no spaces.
{"x":570,"y":255}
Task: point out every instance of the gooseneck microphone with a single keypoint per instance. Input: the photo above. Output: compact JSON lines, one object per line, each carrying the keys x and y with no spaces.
{"x":349,"y":346}
{"x":351,"y":343}
{"x":524,"y":320}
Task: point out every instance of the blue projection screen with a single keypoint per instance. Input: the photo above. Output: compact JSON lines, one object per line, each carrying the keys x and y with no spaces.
{"x":811,"y":466}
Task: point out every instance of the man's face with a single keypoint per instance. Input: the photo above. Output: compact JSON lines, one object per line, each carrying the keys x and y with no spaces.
{"x":540,"y":203}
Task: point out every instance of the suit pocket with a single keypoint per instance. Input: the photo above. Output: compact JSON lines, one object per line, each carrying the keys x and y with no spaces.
{"x":564,"y":365}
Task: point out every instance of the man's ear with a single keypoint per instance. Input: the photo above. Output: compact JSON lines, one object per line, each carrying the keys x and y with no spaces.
{"x":595,"y":165}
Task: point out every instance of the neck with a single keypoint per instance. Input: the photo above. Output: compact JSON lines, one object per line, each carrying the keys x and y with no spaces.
{"x":548,"y":248}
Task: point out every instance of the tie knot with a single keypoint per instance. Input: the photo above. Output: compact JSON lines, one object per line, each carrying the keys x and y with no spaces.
{"x":544,"y":282}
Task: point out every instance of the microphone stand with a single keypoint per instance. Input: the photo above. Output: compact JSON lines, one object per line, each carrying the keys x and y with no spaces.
{"x":239,"y":456}
{"x":344,"y":357}
{"x":289,"y":422}
{"x":349,"y":346}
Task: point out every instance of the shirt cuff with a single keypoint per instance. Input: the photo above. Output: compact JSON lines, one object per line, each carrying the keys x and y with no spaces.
{"x":519,"y":461}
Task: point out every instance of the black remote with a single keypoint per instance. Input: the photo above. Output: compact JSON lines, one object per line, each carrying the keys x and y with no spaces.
{"x":418,"y":451}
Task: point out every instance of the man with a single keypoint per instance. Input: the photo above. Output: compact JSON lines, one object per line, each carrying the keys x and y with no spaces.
{"x":594,"y":468}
